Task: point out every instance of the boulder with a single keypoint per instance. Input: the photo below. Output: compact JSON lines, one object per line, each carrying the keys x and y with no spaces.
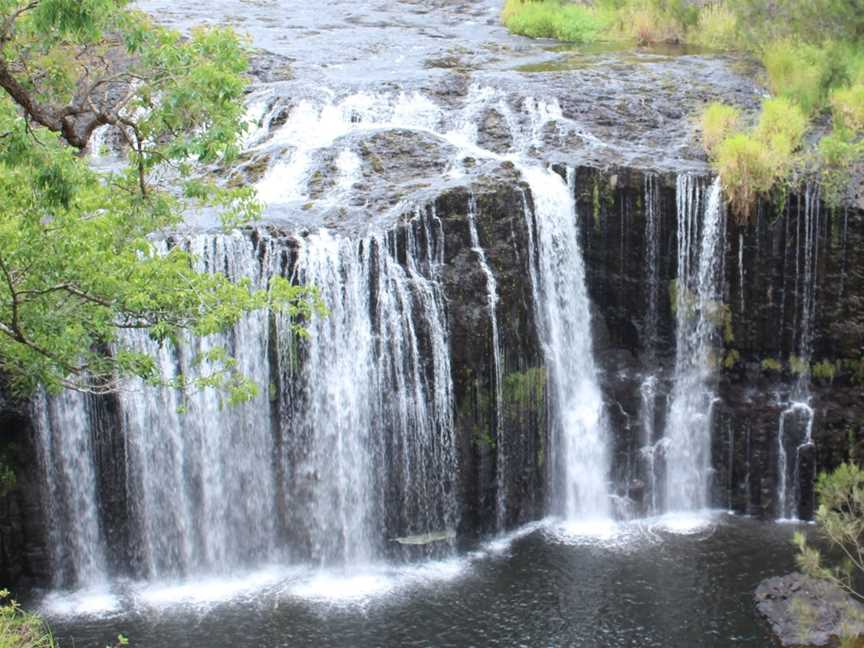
{"x":805,"y":611}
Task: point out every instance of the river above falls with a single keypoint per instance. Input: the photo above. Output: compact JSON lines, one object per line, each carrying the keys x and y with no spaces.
{"x":658,"y":582}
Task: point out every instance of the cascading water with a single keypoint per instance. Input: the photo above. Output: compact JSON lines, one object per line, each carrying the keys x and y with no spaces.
{"x":579,"y":453}
{"x":201,"y":475}
{"x":799,"y":417}
{"x":66,"y":448}
{"x":371,"y":421}
{"x":351,"y":445}
{"x":648,"y":390}
{"x":492,"y":300}
{"x":698,"y":307}
{"x":795,"y":430}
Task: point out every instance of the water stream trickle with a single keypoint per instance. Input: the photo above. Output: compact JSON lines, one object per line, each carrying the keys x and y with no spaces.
{"x":795,"y":428}
{"x":698,"y":307}
{"x":492,"y":301}
{"x":648,"y":389}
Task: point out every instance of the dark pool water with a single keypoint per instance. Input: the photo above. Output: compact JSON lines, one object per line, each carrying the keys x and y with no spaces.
{"x":644,"y":585}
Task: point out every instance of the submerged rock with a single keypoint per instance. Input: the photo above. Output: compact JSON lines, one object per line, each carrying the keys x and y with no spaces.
{"x":804,"y":611}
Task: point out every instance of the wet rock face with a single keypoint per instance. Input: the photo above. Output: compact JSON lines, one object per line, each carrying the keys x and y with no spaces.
{"x":765,"y":331}
{"x":804,"y":611}
{"x":503,"y":235}
{"x":23,"y":534}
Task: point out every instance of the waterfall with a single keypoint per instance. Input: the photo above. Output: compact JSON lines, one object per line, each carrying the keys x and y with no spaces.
{"x":789,"y":457}
{"x":492,"y":301}
{"x":795,"y":429}
{"x":349,"y":443}
{"x":202,"y":479}
{"x":578,"y":444}
{"x":67,"y":458}
{"x":698,"y":309}
{"x":371,"y":428}
{"x":648,"y":388}
{"x":649,"y":448}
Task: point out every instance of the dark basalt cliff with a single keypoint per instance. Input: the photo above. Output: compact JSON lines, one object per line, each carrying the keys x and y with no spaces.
{"x":758,"y":366}
{"x":24,"y":557}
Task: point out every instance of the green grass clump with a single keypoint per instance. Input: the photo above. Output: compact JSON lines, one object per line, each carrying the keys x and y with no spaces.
{"x":20,"y":629}
{"x":747,"y":170}
{"x":781,"y":126}
{"x":847,"y":105}
{"x":651,"y":21}
{"x":824,"y":370}
{"x":772,"y":364}
{"x":552,"y":19}
{"x":798,"y":72}
{"x":751,"y":164}
{"x":717,"y":27}
{"x":717,"y":122}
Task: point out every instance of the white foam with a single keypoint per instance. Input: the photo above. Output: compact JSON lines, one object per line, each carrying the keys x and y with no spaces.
{"x":329,"y":586}
{"x":90,"y":602}
{"x":689,"y":523}
{"x":374,"y":582}
{"x":209,"y":591}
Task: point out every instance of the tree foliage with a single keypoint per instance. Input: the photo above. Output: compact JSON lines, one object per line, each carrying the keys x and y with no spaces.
{"x":77,"y":260}
{"x":840,"y":518}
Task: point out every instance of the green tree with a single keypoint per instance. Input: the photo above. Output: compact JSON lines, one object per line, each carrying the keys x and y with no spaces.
{"x":840,"y":519}
{"x":77,"y":265}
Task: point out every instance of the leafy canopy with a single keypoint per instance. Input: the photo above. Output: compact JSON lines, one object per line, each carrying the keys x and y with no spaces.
{"x":77,"y":262}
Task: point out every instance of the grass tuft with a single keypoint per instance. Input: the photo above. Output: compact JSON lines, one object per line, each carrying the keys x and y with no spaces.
{"x":847,"y":105}
{"x":717,"y":27}
{"x":717,"y":122}
{"x":751,"y":164}
{"x":552,"y":19}
{"x":798,"y":72}
{"x":20,"y":629}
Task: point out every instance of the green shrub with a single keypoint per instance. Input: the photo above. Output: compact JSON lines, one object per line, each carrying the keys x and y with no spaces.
{"x":824,"y":370}
{"x":781,"y":127}
{"x":799,"y":72}
{"x":751,"y":164}
{"x":20,"y":629}
{"x":717,"y":122}
{"x":747,"y":169}
{"x":837,"y":154}
{"x":552,"y":19}
{"x":847,"y":105}
{"x":655,"y":21}
{"x":799,"y":365}
{"x":840,"y":520}
{"x":717,"y":27}
{"x":771,"y":364}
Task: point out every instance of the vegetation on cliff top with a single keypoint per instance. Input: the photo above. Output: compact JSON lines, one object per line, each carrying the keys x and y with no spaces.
{"x":812,"y":53}
{"x":77,"y":262}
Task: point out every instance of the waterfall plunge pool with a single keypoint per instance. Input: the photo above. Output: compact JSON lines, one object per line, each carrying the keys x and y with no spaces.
{"x":670,"y":581}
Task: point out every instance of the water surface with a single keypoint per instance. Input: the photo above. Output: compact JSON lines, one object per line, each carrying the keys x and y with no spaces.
{"x":664,"y":582}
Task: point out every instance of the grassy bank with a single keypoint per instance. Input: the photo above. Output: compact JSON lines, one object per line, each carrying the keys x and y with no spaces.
{"x":20,"y":629}
{"x":636,"y":21}
{"x":812,"y":55}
